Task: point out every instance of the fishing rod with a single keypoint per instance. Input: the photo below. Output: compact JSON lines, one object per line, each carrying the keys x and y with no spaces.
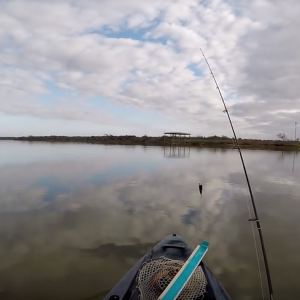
{"x":255,"y":219}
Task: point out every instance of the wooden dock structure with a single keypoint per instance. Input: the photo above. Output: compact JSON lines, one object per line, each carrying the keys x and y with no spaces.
{"x":177,"y":138}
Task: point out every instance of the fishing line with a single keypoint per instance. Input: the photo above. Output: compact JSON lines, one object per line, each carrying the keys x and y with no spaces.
{"x":256,"y":252}
{"x":255,"y":219}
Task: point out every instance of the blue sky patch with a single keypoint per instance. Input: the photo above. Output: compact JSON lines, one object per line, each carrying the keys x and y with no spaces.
{"x":138,"y":34}
{"x":54,"y":94}
{"x":195,"y":69}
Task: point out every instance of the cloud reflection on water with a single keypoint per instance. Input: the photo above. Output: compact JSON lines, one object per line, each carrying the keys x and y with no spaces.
{"x":51,"y":246}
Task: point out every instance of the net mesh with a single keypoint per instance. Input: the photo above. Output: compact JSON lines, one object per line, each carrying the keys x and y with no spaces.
{"x":155,"y":276}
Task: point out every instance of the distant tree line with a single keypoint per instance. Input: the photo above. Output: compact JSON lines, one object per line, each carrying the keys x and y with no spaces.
{"x":213,"y":141}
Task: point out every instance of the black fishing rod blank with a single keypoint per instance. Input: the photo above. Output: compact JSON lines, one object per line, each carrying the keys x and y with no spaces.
{"x":255,"y":219}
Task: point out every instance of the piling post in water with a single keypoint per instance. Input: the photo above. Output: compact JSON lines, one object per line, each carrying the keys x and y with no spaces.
{"x":200,"y":188}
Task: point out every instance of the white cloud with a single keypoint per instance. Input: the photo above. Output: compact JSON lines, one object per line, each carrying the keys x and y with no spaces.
{"x":78,"y":46}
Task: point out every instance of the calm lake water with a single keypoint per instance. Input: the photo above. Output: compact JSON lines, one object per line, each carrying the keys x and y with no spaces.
{"x":74,"y":218}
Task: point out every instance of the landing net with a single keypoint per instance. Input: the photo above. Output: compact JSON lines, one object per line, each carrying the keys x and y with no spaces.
{"x":155,"y":275}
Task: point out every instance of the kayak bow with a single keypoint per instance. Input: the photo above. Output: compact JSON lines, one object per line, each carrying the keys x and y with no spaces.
{"x":171,"y":270}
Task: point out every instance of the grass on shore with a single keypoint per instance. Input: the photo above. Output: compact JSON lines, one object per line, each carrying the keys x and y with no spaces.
{"x":209,"y":142}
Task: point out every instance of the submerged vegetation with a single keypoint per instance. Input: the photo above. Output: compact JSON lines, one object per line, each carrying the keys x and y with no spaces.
{"x":199,"y":141}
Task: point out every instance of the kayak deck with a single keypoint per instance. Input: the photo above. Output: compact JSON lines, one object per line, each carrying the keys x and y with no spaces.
{"x":173,"y":249}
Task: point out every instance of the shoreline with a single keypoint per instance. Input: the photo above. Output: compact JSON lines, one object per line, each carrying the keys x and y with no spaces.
{"x":193,"y":142}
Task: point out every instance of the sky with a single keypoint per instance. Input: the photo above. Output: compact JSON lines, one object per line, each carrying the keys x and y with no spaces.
{"x":99,"y":67}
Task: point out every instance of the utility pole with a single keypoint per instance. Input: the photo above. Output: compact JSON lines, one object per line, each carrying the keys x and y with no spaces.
{"x":295,"y":131}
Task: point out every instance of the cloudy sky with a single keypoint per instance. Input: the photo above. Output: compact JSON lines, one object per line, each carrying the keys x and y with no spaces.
{"x":134,"y":67}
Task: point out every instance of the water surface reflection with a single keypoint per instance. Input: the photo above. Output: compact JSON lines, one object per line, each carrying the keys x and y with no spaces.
{"x":75,"y":218}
